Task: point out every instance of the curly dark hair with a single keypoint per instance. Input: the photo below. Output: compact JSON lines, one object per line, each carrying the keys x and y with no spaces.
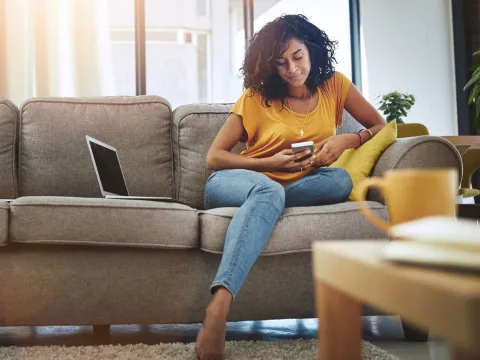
{"x":259,"y":69}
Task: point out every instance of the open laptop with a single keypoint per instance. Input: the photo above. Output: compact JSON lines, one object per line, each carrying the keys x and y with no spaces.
{"x":110,"y":174}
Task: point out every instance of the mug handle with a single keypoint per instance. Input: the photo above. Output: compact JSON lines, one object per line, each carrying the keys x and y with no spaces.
{"x":362,"y":189}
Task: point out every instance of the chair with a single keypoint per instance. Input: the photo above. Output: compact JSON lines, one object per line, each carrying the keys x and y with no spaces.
{"x":415,"y":129}
{"x":410,"y":130}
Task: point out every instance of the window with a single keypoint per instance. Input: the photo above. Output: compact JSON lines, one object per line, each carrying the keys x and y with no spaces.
{"x":66,"y":48}
{"x":121,"y":17}
{"x":198,"y":66}
{"x":194,"y":50}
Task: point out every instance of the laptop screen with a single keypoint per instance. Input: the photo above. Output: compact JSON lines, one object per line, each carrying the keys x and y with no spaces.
{"x":109,"y":171}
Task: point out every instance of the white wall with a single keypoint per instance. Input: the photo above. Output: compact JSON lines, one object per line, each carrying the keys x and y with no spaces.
{"x":408,"y":46}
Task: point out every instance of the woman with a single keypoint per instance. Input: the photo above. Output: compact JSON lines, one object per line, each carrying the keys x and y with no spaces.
{"x":292,"y":95}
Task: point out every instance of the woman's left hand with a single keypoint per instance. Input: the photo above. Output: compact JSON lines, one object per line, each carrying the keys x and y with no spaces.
{"x":329,"y":150}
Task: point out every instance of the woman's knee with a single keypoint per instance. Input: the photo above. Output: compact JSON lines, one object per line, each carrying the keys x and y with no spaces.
{"x":233,"y":187}
{"x":272,"y":190}
{"x":268,"y":191}
{"x":342,"y":183}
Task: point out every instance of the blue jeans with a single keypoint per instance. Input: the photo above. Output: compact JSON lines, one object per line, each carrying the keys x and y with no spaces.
{"x":261,"y":202}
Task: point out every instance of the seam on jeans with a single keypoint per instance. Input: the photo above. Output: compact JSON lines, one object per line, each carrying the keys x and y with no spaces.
{"x":237,"y":247}
{"x":236,"y":251}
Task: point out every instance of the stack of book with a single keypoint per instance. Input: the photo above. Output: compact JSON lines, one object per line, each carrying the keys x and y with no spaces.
{"x":436,"y":241}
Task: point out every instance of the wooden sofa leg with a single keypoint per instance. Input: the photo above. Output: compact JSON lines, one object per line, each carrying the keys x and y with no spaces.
{"x":102,"y":333}
{"x":413,"y":334}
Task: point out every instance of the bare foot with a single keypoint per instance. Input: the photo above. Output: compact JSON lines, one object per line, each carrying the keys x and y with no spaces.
{"x":210,"y":343}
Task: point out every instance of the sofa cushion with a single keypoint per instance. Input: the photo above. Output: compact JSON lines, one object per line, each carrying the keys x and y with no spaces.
{"x":88,"y":221}
{"x":297,"y":227}
{"x":193,"y":131}
{"x":8,"y":156}
{"x":53,"y":155}
{"x":4,"y":216}
{"x":349,"y":124}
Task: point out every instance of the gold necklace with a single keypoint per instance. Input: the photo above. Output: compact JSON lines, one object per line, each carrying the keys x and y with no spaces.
{"x":304,"y":119}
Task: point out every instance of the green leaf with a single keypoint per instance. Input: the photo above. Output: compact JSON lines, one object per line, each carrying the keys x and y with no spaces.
{"x":390,"y":118}
{"x":474,"y":79}
{"x":474,"y":94}
{"x":476,"y":53}
{"x":478,"y":108}
{"x":471,"y":98}
{"x":383,"y":107}
{"x":476,"y":123}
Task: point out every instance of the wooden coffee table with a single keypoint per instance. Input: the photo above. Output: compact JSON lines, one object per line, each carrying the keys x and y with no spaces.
{"x":350,"y":273}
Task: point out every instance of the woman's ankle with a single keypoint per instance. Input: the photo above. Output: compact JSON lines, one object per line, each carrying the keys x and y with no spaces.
{"x":221,"y":302}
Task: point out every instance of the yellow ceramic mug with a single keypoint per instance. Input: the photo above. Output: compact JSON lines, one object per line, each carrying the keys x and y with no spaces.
{"x":411,"y":194}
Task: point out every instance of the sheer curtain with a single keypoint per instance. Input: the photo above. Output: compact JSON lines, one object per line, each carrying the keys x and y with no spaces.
{"x":54,"y":48}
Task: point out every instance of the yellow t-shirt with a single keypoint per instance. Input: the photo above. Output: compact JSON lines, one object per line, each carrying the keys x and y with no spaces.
{"x":273,"y":129}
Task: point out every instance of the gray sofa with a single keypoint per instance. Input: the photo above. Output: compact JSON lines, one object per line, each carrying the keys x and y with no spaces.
{"x":70,"y":257}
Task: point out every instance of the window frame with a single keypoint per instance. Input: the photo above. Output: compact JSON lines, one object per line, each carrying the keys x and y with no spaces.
{"x":248,"y":19}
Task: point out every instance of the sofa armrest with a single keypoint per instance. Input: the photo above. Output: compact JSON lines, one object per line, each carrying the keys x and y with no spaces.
{"x":416,"y":152}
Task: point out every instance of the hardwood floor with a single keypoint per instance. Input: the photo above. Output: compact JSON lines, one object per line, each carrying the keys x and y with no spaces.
{"x":383,"y":331}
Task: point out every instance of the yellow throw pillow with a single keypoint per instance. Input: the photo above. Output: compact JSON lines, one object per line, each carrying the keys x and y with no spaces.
{"x":360,"y":162}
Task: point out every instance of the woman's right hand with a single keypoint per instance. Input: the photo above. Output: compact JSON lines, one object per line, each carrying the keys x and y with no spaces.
{"x":284,"y":161}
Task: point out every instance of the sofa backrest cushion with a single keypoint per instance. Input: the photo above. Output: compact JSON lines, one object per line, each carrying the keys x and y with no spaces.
{"x":194,"y":129}
{"x":53,"y":154}
{"x":8,"y":154}
{"x":349,"y":124}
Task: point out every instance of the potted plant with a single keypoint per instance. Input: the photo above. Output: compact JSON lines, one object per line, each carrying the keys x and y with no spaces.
{"x":474,"y":100}
{"x":474,"y":85}
{"x":395,"y":106}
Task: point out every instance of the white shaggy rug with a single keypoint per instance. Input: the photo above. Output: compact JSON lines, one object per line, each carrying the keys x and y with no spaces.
{"x":235,"y":350}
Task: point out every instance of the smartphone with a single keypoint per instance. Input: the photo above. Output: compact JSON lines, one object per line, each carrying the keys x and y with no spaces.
{"x":302,"y":146}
